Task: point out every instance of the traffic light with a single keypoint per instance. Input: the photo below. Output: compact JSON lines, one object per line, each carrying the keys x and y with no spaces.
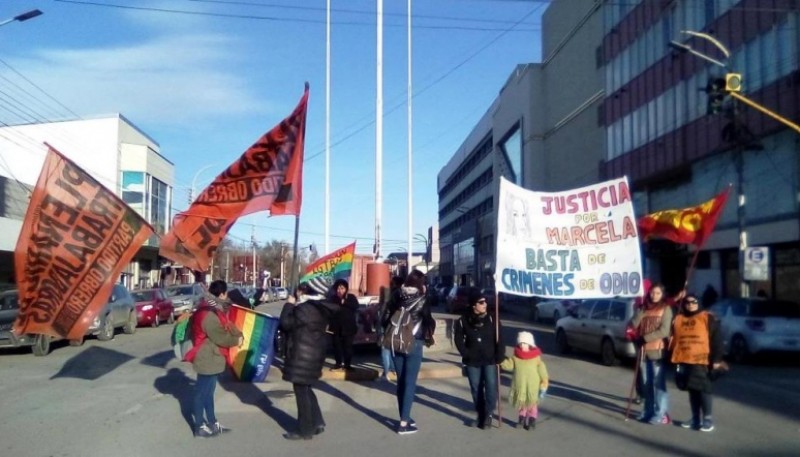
{"x":715,"y":89}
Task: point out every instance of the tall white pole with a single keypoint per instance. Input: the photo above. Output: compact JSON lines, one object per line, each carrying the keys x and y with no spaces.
{"x":379,"y":133}
{"x":410,"y":155}
{"x":328,"y":128}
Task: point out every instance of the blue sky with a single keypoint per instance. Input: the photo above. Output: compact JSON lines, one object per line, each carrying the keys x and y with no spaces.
{"x":206,"y":78}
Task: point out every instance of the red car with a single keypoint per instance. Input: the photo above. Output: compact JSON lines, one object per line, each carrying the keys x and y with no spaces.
{"x":153,"y":307}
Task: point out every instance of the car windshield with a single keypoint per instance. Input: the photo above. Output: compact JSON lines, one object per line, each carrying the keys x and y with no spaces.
{"x":774,"y":308}
{"x":175,"y":291}
{"x":146,"y":295}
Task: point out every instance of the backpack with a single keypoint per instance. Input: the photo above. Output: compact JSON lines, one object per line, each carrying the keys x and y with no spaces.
{"x":181,"y":339}
{"x":399,"y":334}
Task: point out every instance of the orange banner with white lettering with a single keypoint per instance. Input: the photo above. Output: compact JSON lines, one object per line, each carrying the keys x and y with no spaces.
{"x":684,"y":226}
{"x":76,"y":239}
{"x":268,"y":176}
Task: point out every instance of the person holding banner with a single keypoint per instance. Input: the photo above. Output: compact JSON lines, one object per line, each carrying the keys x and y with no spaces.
{"x":211,"y":334}
{"x":343,"y":325}
{"x":304,"y":319}
{"x":652,"y":324}
{"x":475,"y":336}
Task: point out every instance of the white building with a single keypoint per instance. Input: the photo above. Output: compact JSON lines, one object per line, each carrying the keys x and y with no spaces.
{"x":113,"y":151}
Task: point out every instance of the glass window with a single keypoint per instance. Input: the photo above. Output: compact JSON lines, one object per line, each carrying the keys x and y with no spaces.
{"x":651,"y":120}
{"x":585,"y":308}
{"x":609,"y":143}
{"x":159,"y":214}
{"x":680,"y":106}
{"x":770,"y":57}
{"x":617,"y":311}
{"x":512,"y":149}
{"x":600,"y":310}
{"x":710,"y":11}
{"x":783,"y":44}
{"x":626,"y":134}
{"x":753,"y":64}
{"x":133,"y":190}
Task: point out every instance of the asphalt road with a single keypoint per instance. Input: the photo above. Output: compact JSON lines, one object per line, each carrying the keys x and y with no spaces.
{"x":130,"y":397}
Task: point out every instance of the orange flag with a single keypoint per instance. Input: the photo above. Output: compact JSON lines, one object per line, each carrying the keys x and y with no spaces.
{"x":76,"y":239}
{"x":684,"y":226}
{"x":268,"y":176}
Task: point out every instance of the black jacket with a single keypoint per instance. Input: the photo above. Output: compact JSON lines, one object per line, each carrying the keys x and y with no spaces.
{"x":475,"y":338}
{"x":344,"y":321}
{"x":306,"y":340}
{"x":406,"y":297}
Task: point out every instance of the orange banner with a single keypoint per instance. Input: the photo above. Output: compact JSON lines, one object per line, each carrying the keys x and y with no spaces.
{"x":684,"y":226}
{"x":268,"y":176}
{"x":76,"y":239}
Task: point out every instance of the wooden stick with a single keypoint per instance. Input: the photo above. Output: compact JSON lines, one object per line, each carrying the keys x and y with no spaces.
{"x":639,"y":353}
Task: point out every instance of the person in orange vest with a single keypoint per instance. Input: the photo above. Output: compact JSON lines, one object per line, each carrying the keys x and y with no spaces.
{"x":652,"y":323}
{"x":696,"y":346}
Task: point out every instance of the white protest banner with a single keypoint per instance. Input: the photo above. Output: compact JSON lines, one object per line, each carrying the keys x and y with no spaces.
{"x":580,"y":243}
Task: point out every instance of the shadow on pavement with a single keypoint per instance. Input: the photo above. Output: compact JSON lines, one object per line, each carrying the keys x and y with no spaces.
{"x":178,"y":385}
{"x":159,"y":360}
{"x":92,"y":363}
{"x":371,"y":413}
{"x":250,"y":394}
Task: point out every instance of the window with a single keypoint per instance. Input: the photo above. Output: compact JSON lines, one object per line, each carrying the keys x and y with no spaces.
{"x":133,"y":190}
{"x":600,"y":310}
{"x":512,"y":150}
{"x":769,"y":52}
{"x":617,"y":311}
{"x":159,"y":208}
{"x":584,"y":308}
{"x":710,"y":11}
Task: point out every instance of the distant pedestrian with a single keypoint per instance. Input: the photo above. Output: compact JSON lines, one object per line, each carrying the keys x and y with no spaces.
{"x":696,"y":346}
{"x":212,"y":334}
{"x":343,"y":325}
{"x":411,"y":307}
{"x":304,"y":320}
{"x":387,"y":295}
{"x":529,"y":380}
{"x":235,"y":296}
{"x":475,"y":336}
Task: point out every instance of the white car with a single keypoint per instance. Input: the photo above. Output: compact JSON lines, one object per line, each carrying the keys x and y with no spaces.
{"x":597,"y":326}
{"x":551,"y":310}
{"x":281,"y":293}
{"x":752,"y":325}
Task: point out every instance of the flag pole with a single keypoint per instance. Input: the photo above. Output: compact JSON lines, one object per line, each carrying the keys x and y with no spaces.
{"x":293,"y":276}
{"x":497,"y":367}
{"x":328,"y":127}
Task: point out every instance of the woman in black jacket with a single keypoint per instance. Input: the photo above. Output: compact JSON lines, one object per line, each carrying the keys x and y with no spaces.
{"x":304,"y":323}
{"x":411,"y":298}
{"x":475,"y":336}
{"x":343,"y":325}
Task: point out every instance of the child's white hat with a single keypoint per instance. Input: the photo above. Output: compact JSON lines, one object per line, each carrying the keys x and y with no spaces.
{"x":526,"y":337}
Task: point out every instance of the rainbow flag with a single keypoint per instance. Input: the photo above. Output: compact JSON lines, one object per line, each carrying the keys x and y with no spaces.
{"x":336,"y":265}
{"x":251,"y":362}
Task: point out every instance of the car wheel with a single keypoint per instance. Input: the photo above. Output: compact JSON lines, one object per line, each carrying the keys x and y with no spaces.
{"x":561,"y":342}
{"x":607,"y":353}
{"x":739,"y":350}
{"x":130,"y":326}
{"x":107,"y":331}
{"x":41,"y":345}
{"x":77,"y":342}
{"x":171,"y":319}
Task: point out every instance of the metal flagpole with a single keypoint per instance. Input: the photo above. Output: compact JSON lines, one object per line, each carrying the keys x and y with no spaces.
{"x":293,"y":274}
{"x":497,"y":341}
{"x":379,"y":132}
{"x":328,"y":127}
{"x":410,"y":156}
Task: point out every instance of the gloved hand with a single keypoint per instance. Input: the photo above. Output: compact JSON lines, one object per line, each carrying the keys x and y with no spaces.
{"x":542,"y":393}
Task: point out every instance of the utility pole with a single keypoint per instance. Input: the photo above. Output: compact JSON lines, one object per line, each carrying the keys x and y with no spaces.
{"x":227,"y":265}
{"x":253,"y":242}
{"x":283,"y":262}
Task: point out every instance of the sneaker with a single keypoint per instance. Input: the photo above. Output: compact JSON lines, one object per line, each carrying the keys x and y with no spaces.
{"x":708,"y":426}
{"x":203,"y":431}
{"x":219,"y":428}
{"x":350,"y":369}
{"x":664,"y":420}
{"x":412,"y":422}
{"x":407,"y":429}
{"x":692,"y":424}
{"x":337,"y":368}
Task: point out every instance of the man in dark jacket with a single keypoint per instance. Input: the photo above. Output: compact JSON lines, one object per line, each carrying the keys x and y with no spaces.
{"x":476,"y":339}
{"x":304,"y":321}
{"x":343,"y":325}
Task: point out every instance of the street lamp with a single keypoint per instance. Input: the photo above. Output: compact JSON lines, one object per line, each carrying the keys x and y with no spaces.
{"x":424,"y":239}
{"x":22,"y":17}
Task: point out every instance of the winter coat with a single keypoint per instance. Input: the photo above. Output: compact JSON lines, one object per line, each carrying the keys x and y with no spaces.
{"x":407,"y":297}
{"x":697,"y":374}
{"x":210,"y":357}
{"x":659,"y":333}
{"x":528,"y":376}
{"x":344,"y":321}
{"x":476,"y":340}
{"x":306,"y":340}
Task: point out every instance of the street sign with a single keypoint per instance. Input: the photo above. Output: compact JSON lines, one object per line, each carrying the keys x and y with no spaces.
{"x":756,"y":264}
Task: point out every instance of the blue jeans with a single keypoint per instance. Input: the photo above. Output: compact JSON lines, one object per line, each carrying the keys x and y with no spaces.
{"x":386,"y":361}
{"x":407,"y":367}
{"x":656,"y":400}
{"x":483,"y":385}
{"x":204,"y":400}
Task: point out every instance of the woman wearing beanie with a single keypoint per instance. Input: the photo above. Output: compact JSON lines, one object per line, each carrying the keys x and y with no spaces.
{"x":481,"y":351}
{"x":529,"y":380}
{"x":343,"y":325}
{"x":696,"y":346}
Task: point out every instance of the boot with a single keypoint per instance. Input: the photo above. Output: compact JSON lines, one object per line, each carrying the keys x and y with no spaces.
{"x":532,"y":423}
{"x":527,"y":423}
{"x":521,"y":422}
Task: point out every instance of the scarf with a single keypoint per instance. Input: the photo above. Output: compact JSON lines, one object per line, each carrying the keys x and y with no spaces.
{"x":527,"y":355}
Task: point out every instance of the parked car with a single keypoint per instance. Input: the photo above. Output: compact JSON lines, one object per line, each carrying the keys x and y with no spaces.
{"x":185,"y":297}
{"x":457,"y":300}
{"x":551,"y":310}
{"x":597,"y":326}
{"x":753,"y":325}
{"x":118,"y":312}
{"x":9,"y":309}
{"x":281,"y":293}
{"x":153,"y":307}
{"x":367,"y":321}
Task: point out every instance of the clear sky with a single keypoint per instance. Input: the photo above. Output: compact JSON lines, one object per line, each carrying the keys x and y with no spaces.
{"x":206,"y":78}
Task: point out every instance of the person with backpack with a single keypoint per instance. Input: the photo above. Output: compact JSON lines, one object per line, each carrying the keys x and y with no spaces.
{"x":304,"y":320}
{"x":475,"y":336}
{"x":387,"y":295}
{"x":211,"y":335}
{"x":409,"y":325}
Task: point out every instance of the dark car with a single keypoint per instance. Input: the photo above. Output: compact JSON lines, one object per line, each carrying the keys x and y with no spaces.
{"x":367,"y":321}
{"x":118,"y":311}
{"x":153,"y":307}
{"x":9,"y":309}
{"x":457,"y":300}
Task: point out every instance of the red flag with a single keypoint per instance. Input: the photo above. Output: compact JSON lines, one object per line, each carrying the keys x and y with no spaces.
{"x":268,"y":176}
{"x":684,"y":226}
{"x":76,"y":240}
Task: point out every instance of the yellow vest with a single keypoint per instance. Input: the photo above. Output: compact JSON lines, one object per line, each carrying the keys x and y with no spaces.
{"x":690,"y":342}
